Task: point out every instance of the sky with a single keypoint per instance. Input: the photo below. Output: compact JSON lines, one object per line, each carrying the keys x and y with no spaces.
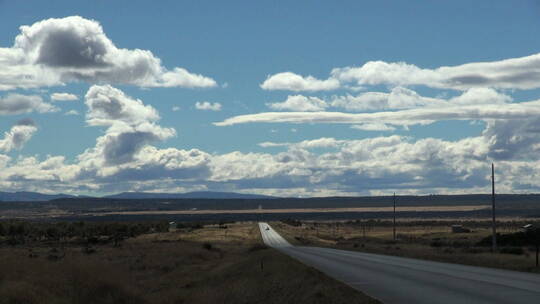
{"x":301,"y":98}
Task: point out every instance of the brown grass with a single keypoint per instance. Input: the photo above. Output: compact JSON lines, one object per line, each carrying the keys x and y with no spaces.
{"x":423,"y":242}
{"x":174,"y":267}
{"x":296,"y":210}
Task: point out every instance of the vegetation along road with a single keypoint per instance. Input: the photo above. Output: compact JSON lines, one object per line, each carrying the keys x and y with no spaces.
{"x":404,"y":280}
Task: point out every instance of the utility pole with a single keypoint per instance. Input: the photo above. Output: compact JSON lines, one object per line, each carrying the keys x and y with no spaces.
{"x":493,"y":224}
{"x":394,"y":216}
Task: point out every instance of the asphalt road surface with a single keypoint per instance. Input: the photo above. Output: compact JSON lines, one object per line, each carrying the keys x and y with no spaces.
{"x":403,"y":280}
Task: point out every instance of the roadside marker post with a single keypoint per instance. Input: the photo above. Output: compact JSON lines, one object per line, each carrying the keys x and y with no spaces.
{"x":394,"y":228}
{"x":493,"y":223}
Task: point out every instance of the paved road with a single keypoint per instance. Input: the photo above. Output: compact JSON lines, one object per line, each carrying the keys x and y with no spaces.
{"x":402,"y":280}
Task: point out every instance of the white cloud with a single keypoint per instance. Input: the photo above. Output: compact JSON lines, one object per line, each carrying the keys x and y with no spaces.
{"x":208,"y":106}
{"x":398,"y":98}
{"x":72,"y":113}
{"x":300,"y":103}
{"x":131,"y":125}
{"x":268,"y":144}
{"x":293,"y":82}
{"x":124,"y":157}
{"x":64,"y":97}
{"x":108,"y":105}
{"x":366,"y":166}
{"x":56,"y":51}
{"x":14,"y":104}
{"x":514,"y":73}
{"x":373,"y":127}
{"x":176,"y":108}
{"x":481,"y":96}
{"x":324,"y":142}
{"x":18,"y":135}
{"x":427,"y":115}
{"x":359,"y":166}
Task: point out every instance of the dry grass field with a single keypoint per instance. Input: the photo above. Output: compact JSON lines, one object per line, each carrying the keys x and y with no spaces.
{"x":209,"y":265}
{"x":293,"y":210}
{"x":431,"y":240}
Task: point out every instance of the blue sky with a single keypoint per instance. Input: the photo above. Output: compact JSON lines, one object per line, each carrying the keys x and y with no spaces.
{"x":240,"y":50}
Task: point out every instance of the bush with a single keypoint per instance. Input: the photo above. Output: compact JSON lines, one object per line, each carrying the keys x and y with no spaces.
{"x":257,"y":247}
{"x":511,"y":239}
{"x":291,"y":222}
{"x":207,"y":246}
{"x":512,"y":250}
{"x":460,"y":244}
{"x":436,"y":244}
{"x":474,"y":250}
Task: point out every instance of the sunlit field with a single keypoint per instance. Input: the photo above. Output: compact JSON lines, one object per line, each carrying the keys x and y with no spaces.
{"x":195,"y":263}
{"x":428,"y":239}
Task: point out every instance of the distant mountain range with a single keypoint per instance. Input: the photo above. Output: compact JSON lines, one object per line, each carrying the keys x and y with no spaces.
{"x":35,"y":196}
{"x":31,"y":196}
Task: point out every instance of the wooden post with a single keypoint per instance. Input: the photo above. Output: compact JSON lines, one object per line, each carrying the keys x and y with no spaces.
{"x":394,"y":229}
{"x":537,"y":254}
{"x":493,"y":223}
{"x":364,"y":230}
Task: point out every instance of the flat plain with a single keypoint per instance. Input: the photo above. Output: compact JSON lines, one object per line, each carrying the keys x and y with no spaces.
{"x":224,"y":263}
{"x":422,"y":239}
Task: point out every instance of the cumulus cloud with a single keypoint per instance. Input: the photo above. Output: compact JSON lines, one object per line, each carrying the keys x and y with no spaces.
{"x":300,"y":103}
{"x":18,"y":135}
{"x":131,"y":125}
{"x":293,"y":82}
{"x":355,"y":166}
{"x":125,"y":158}
{"x":56,"y":51}
{"x":514,"y":139}
{"x":208,"y":106}
{"x":108,"y":105}
{"x":64,"y":97}
{"x":14,"y":104}
{"x":367,"y":166}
